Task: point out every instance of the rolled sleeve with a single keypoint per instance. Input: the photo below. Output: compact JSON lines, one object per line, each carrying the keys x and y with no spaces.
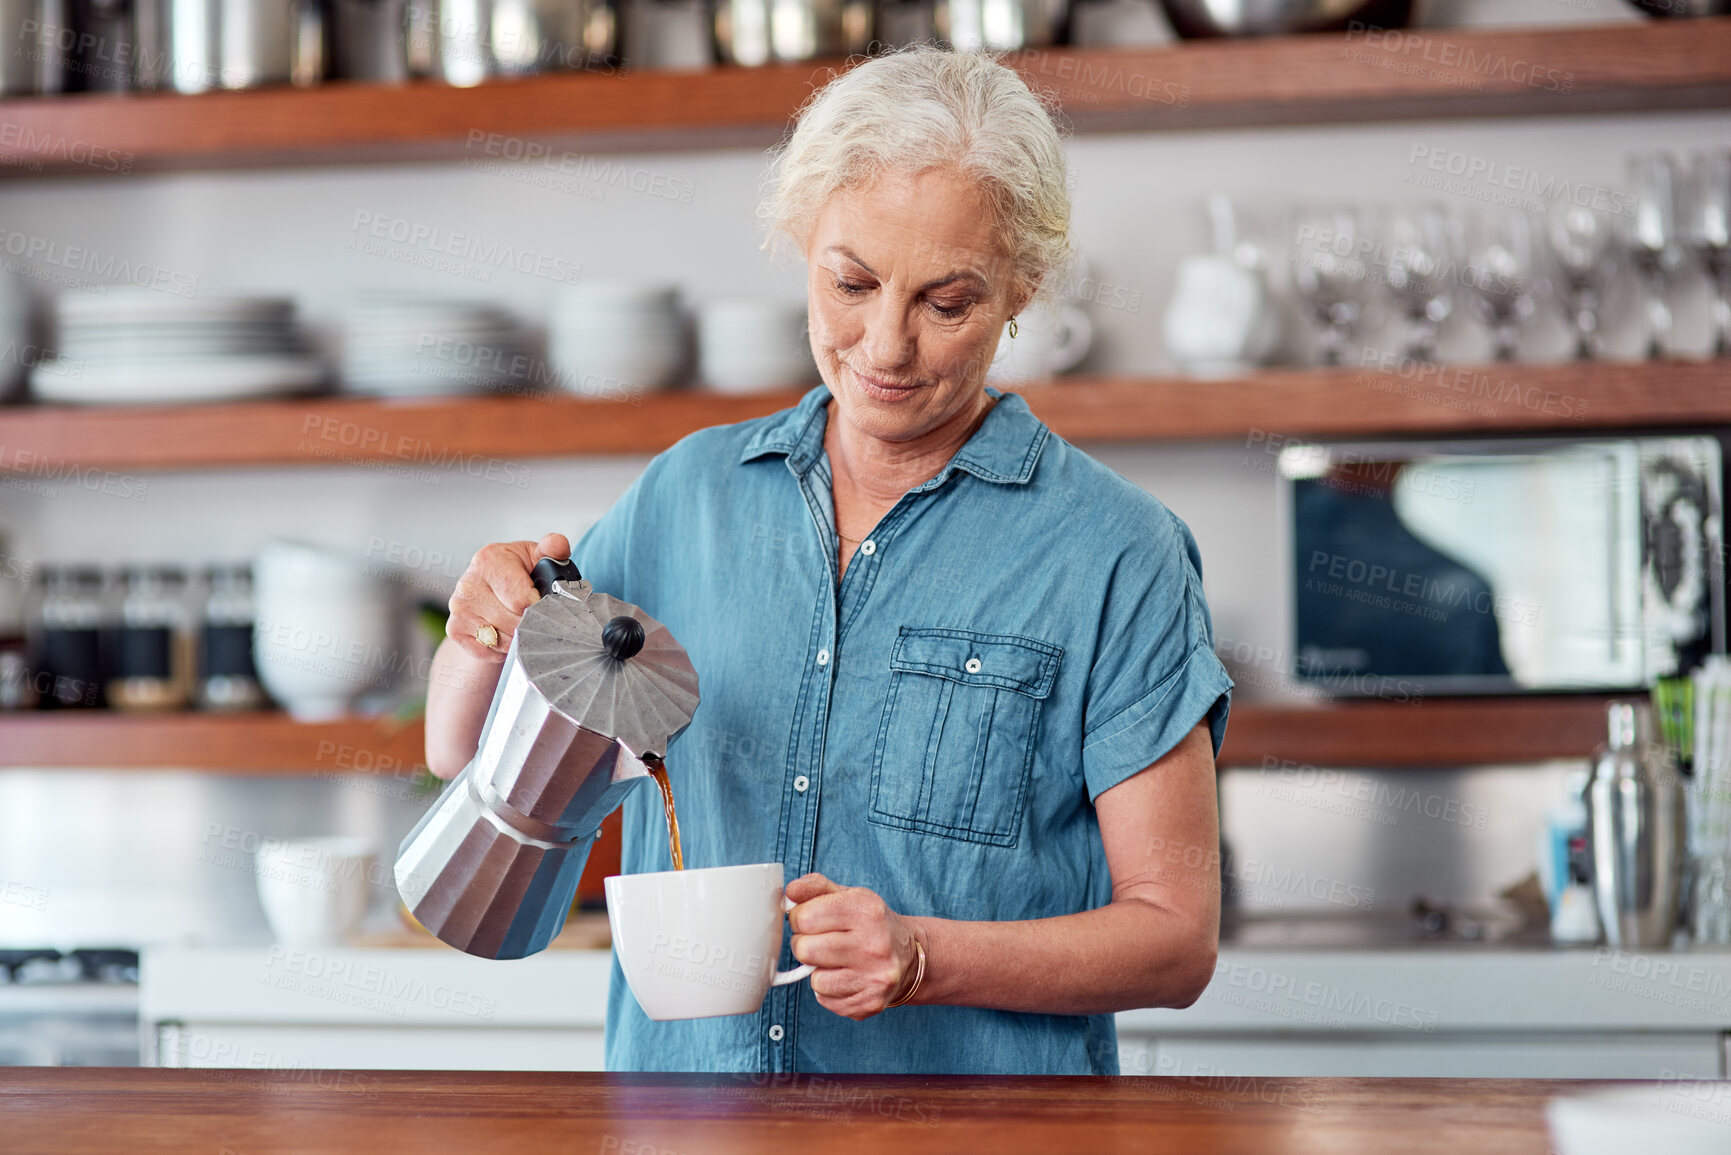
{"x":1158,"y":675}
{"x":1146,"y":731}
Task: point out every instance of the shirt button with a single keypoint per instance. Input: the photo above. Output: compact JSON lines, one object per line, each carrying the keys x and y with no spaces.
{"x":775,"y":1033}
{"x":800,"y":784}
{"x":973,"y":666}
{"x":823,"y":657}
{"x":868,"y":547}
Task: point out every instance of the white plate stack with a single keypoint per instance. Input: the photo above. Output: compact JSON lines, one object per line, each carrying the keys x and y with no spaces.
{"x":402,"y":345}
{"x":616,"y":340}
{"x":747,"y":345}
{"x":137,"y":346}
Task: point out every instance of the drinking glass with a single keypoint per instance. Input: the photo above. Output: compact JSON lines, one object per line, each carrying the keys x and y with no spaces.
{"x":1499,"y":274}
{"x":1710,"y":899}
{"x":1329,"y":272}
{"x":1585,"y":255}
{"x":1421,"y":247}
{"x":1651,"y":236}
{"x":1706,"y":230}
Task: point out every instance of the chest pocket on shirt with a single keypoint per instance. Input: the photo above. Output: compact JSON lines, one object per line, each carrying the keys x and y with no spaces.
{"x":957,"y":738}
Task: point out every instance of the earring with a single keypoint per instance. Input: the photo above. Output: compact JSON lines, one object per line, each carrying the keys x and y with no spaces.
{"x":1012,"y":328}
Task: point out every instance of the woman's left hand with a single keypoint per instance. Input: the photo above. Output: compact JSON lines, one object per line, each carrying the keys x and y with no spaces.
{"x":863,"y":951}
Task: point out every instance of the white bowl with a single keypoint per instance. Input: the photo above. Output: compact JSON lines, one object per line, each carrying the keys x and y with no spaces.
{"x":586,"y":296}
{"x":324,"y":630}
{"x":749,"y":345}
{"x":752,"y":314}
{"x":315,"y":890}
{"x":759,"y":370}
{"x":293,"y":567}
{"x":318,"y":660}
{"x":650,"y":357}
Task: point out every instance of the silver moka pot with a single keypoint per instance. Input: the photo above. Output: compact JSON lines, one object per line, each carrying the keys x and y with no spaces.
{"x":1637,"y":831}
{"x":592,"y":691}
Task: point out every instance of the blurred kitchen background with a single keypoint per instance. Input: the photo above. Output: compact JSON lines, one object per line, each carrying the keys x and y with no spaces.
{"x":1494,"y":313}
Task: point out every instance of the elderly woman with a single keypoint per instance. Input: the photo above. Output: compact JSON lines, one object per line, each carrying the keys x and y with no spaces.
{"x":957,"y":676}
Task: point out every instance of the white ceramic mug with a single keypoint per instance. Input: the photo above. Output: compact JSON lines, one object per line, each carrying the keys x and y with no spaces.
{"x":314,"y":890}
{"x":1050,"y":339}
{"x":699,"y":943}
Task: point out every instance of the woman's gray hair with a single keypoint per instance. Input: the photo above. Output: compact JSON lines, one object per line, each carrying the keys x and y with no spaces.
{"x":922,"y":108}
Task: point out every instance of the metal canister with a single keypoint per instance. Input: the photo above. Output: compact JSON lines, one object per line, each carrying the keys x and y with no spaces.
{"x":755,"y":32}
{"x":199,"y":45}
{"x":105,"y":45}
{"x":1636,"y":827}
{"x":999,"y":25}
{"x":464,"y":42}
{"x":42,"y":38}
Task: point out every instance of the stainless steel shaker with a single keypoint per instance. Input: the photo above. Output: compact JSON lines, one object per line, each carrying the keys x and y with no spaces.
{"x":1636,"y":829}
{"x":592,"y":691}
{"x":42,"y":37}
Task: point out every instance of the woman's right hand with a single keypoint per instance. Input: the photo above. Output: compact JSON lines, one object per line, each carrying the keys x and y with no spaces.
{"x":495,"y":590}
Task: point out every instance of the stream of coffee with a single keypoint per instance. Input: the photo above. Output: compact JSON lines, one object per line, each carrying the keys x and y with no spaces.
{"x":658,"y":771}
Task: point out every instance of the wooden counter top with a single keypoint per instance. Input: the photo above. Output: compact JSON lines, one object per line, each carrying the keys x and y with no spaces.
{"x":48,"y":1111}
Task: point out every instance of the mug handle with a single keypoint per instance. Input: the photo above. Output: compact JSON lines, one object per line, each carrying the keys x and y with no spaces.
{"x":1078,"y":336}
{"x":782,"y":978}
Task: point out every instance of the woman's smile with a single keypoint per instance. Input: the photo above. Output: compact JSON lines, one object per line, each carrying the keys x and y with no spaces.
{"x":908,"y":296}
{"x":880,"y":389}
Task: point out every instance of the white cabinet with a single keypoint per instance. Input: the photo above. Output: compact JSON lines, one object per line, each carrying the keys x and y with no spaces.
{"x":1493,"y":1055}
{"x":1445,"y":1013}
{"x":360,"y":1009}
{"x":1437,"y":1013}
{"x":285,"y":1047}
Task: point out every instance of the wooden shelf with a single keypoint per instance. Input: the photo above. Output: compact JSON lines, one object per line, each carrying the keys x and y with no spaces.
{"x":265,"y":742}
{"x":1428,"y":732}
{"x":1432,"y":732}
{"x":483,"y":434}
{"x":1366,"y":76}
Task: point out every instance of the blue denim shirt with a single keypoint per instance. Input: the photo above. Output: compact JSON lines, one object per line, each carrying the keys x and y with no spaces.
{"x":1020,"y":633}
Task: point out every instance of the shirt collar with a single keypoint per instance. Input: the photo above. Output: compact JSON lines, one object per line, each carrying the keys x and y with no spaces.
{"x":1004,"y":449}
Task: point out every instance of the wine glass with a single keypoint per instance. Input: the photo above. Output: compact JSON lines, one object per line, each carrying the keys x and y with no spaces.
{"x":1651,"y":235}
{"x":1499,"y":274}
{"x":1330,"y":273}
{"x":1706,"y":230}
{"x":1585,"y":254}
{"x":1420,"y":244}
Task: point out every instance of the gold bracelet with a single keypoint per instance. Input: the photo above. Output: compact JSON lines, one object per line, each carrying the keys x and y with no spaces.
{"x":919,"y":975}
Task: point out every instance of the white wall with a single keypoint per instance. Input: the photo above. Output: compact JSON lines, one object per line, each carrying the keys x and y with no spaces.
{"x":1137,"y":210}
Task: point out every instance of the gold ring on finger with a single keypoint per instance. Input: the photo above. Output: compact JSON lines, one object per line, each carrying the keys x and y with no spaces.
{"x":487,"y":635}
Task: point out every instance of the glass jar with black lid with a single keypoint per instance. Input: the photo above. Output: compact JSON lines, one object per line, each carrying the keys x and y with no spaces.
{"x":226,"y":678}
{"x":17,"y":682}
{"x":69,"y":623}
{"x":152,"y":662}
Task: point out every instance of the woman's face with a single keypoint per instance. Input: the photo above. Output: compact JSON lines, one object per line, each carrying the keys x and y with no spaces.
{"x":909,"y":288}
